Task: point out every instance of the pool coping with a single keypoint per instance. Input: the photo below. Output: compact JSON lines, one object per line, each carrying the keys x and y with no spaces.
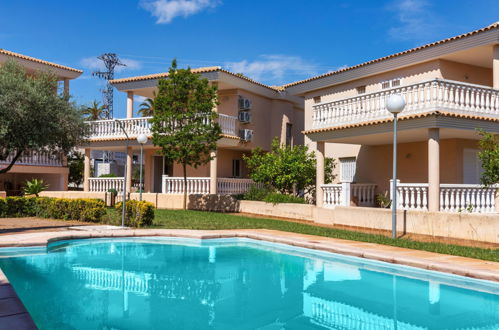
{"x":468,"y":267}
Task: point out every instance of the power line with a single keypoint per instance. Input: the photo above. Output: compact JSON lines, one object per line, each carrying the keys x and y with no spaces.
{"x":110,"y":60}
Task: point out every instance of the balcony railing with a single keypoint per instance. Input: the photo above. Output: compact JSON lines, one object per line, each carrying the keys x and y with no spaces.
{"x":343,"y":193}
{"x":473,"y":198}
{"x":109,"y":129}
{"x":37,"y":158}
{"x":201,"y":185}
{"x":437,"y":94}
{"x":104,"y":184}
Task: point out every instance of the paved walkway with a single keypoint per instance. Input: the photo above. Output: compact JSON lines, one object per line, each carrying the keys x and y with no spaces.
{"x":14,"y":316}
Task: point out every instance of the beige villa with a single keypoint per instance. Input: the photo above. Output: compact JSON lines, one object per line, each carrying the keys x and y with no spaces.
{"x":49,"y":167}
{"x":251,"y":114}
{"x":451,"y":88}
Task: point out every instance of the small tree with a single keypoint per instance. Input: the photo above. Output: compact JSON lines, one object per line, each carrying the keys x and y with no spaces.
{"x":76,"y":167}
{"x":184,"y":122}
{"x":33,"y":116}
{"x":489,"y":156}
{"x":287,"y":169}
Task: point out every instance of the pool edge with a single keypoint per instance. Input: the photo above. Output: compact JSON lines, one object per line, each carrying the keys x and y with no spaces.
{"x":13,"y":313}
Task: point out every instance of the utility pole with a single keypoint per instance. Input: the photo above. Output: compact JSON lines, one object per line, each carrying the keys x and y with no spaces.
{"x":110,"y":60}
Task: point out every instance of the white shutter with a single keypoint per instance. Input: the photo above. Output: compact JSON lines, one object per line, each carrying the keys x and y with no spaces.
{"x":472,"y":166}
{"x":348,"y":167}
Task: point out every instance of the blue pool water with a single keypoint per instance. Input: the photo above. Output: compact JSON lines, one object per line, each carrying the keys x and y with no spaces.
{"x":161,"y":283}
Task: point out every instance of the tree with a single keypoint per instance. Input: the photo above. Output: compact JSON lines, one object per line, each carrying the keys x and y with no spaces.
{"x":489,"y":156}
{"x":184,"y":122}
{"x":287,"y":169}
{"x":147,"y":107}
{"x":76,"y":167}
{"x":93,"y":112}
{"x":33,"y":116}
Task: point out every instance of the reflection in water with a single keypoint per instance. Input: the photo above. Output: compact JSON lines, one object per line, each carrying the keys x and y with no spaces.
{"x":142,"y":285}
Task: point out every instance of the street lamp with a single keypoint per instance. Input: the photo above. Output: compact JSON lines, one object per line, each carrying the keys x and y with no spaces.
{"x":124,"y":174}
{"x":395,"y":104}
{"x":141,"y":139}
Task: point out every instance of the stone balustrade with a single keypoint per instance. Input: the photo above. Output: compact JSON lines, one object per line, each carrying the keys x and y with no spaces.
{"x":104,"y":184}
{"x":362,"y":194}
{"x":37,"y":158}
{"x":110,"y":129}
{"x":437,"y":94}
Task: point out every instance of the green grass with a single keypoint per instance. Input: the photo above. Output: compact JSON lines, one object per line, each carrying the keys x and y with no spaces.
{"x":174,"y":219}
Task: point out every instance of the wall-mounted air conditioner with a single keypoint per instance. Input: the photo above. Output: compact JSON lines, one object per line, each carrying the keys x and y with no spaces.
{"x":244,"y":103}
{"x":246,"y":134}
{"x":244,"y":117}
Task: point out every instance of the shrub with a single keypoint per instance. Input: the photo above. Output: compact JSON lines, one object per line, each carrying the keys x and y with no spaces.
{"x":383,"y":200}
{"x":108,"y":175}
{"x":138,"y":213}
{"x":276,"y":198}
{"x":92,"y":210}
{"x":256,"y":193}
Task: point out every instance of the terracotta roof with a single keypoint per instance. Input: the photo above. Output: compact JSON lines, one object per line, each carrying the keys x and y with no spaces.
{"x":487,"y":28}
{"x":36,"y":60}
{"x":122,"y":138}
{"x":413,"y":116}
{"x":196,"y":70}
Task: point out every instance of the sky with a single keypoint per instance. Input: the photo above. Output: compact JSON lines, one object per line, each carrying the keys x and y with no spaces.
{"x":272,"y":41}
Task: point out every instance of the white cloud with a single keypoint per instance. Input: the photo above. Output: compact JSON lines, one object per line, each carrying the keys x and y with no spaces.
{"x":93,"y":63}
{"x":416,"y":21}
{"x":275,"y":69}
{"x":166,"y":10}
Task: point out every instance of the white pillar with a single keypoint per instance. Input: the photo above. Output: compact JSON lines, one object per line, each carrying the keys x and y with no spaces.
{"x":346,"y":194}
{"x":66,"y":87}
{"x":129,"y":105}
{"x":86,"y":170}
{"x":213,"y":173}
{"x":319,"y":181}
{"x":433,"y":169}
{"x":129,"y":169}
{"x":495,"y":66}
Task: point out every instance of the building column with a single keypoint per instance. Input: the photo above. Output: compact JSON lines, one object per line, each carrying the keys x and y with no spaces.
{"x":213,"y":173}
{"x":319,"y":181}
{"x":495,"y":66}
{"x":86,"y":170}
{"x":129,"y":104}
{"x":66,"y":87}
{"x":129,"y":169}
{"x":148,"y":170}
{"x":433,"y":169}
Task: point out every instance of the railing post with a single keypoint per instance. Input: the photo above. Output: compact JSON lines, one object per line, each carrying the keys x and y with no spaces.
{"x":346,"y":193}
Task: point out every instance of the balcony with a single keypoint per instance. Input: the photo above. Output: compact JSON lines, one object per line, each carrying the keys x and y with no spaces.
{"x":110,"y":129}
{"x":37,"y":158}
{"x":437,"y":94}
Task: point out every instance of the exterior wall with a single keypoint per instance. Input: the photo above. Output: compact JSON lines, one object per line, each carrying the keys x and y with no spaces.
{"x":55,"y":177}
{"x":467,"y":73}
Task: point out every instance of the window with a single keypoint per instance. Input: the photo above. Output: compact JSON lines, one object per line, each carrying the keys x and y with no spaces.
{"x":348,"y":167}
{"x":289,"y":134}
{"x":361,"y":89}
{"x":317,"y":99}
{"x":236,"y":168}
{"x":391,"y":83}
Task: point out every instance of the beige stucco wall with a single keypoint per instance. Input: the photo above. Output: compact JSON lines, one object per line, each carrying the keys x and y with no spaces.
{"x":55,"y":177}
{"x":467,"y":73}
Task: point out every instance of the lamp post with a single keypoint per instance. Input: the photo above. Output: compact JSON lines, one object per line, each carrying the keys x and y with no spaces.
{"x":124,"y":174}
{"x":141,"y":139}
{"x":395,"y":104}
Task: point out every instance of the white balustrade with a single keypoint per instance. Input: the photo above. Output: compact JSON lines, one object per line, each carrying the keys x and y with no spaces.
{"x":105,"y":129}
{"x":332,"y":195}
{"x":104,"y":184}
{"x":437,"y":94}
{"x":472,"y":198}
{"x":235,"y":185}
{"x":364,"y":193}
{"x":39,"y":158}
{"x":195,"y":185}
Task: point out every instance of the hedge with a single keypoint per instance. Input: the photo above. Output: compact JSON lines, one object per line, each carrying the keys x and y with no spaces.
{"x":138,"y":213}
{"x":92,"y":210}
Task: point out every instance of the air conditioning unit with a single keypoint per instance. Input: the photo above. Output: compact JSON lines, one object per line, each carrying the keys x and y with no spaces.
{"x":244,"y":117}
{"x":244,"y":103}
{"x":246,"y":134}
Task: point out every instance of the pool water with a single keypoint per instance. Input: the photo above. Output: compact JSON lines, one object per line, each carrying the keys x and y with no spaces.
{"x":165,"y":283}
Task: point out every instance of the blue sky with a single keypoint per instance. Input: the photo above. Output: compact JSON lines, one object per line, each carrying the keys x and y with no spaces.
{"x":274,"y":42}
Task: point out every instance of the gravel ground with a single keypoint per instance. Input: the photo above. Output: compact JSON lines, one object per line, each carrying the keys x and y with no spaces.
{"x":30,"y":225}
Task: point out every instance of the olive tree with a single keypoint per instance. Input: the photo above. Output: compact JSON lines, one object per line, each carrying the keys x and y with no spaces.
{"x":33,"y":116}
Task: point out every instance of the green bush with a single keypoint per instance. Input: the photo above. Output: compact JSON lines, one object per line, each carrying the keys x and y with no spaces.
{"x":92,"y":210}
{"x":108,"y":175}
{"x":138,"y":213}
{"x":256,"y":193}
{"x":276,"y":198}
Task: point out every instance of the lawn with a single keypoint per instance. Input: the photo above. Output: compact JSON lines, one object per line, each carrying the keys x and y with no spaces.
{"x":179,"y":219}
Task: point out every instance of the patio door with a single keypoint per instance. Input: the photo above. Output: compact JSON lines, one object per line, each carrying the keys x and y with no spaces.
{"x":472,"y":166}
{"x":160,"y":167}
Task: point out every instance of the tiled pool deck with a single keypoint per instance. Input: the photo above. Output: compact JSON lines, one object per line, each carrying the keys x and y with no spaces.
{"x":13,"y":315}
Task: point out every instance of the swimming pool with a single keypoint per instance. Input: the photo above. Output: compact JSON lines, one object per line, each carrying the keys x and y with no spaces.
{"x":174,"y":283}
